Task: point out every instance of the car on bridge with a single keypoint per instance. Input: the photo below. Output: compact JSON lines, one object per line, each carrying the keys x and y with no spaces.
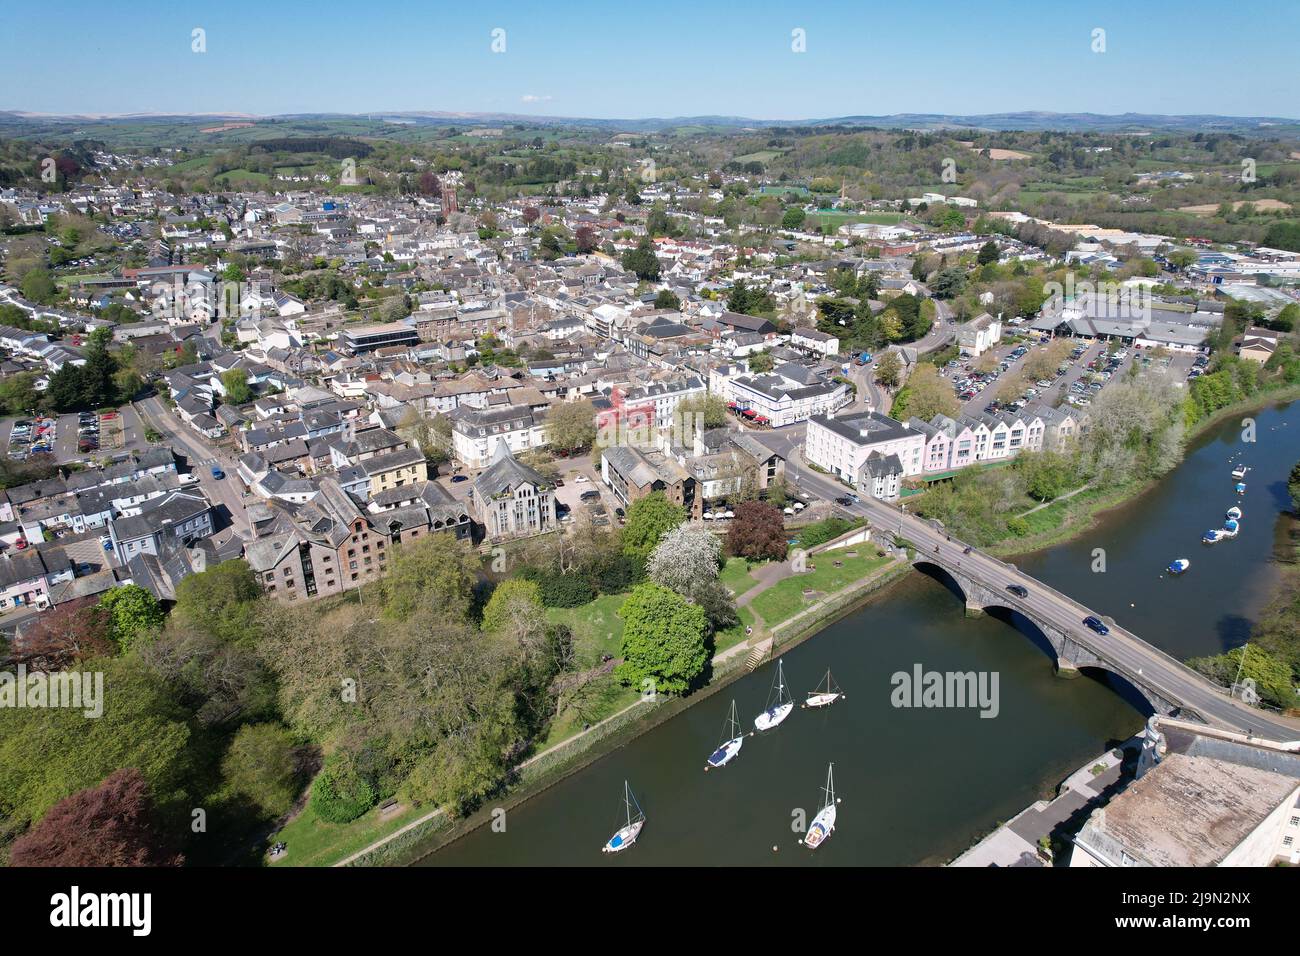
{"x":1092,"y":622}
{"x":1019,"y":590}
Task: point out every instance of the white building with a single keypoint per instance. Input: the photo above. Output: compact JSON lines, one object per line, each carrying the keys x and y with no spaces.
{"x":857,"y":448}
{"x":979,"y":334}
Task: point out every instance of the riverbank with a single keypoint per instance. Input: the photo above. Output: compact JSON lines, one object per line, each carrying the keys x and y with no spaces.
{"x":1068,"y":518}
{"x":1038,"y":834}
{"x":423,"y":837}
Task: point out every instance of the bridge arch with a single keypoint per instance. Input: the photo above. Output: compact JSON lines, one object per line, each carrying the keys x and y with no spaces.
{"x":948,"y":579}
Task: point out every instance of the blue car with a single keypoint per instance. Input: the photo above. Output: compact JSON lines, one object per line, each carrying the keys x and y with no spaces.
{"x":1094,"y":623}
{"x":217,"y":473}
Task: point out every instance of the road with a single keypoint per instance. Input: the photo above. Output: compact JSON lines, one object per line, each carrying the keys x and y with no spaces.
{"x":200,"y":457}
{"x":1124,"y":652}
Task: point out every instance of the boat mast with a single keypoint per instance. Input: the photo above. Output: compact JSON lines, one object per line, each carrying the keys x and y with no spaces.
{"x":830,"y":785}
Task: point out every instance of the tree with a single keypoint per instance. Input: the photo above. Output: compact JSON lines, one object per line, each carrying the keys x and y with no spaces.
{"x":889,"y":370}
{"x":949,"y":283}
{"x":988,"y":253}
{"x":132,"y":611}
{"x":112,"y":824}
{"x":340,"y":794}
{"x":757,"y":532}
{"x":437,"y":572}
{"x":48,"y":753}
{"x":761,"y":362}
{"x":221,"y":601}
{"x":531,"y":214}
{"x":684,"y":559}
{"x":571,"y":426}
{"x":793,"y":218}
{"x":260,"y":766}
{"x":38,"y":287}
{"x":516,"y":610}
{"x":648,"y":519}
{"x":74,"y":631}
{"x":709,"y":405}
{"x":664,"y":640}
{"x":642,"y":261}
{"x":667,"y":299}
{"x":1293,"y":487}
{"x":925,"y":395}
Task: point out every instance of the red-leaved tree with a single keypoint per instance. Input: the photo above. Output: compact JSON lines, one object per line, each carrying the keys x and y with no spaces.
{"x":60,"y":637}
{"x":113,"y":824}
{"x":757,"y":532}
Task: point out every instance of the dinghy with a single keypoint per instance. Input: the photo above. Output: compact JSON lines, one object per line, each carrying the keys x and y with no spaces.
{"x":1233,"y":514}
{"x":1240,"y":472}
{"x":1179,"y":566}
{"x":1211,"y":536}
{"x":1229,"y":529}
{"x":779,"y":702}
{"x":1241,"y":488}
{"x":826,"y":693}
{"x":732,"y":740}
{"x":823,"y":824}
{"x":626,"y":834}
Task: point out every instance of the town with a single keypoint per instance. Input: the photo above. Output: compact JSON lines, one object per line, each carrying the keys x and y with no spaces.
{"x":409,"y":488}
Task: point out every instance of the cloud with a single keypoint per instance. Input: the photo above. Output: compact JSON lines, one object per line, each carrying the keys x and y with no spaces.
{"x":534,"y":98}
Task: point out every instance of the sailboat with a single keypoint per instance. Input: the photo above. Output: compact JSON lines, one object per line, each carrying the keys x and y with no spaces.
{"x":628,"y":833}
{"x":732,"y":740}
{"x":823,"y":824}
{"x":824,"y":697}
{"x":779,"y":702}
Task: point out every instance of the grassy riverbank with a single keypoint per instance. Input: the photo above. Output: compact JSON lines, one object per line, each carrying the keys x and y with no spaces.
{"x":1065,"y":519}
{"x":616,"y":715}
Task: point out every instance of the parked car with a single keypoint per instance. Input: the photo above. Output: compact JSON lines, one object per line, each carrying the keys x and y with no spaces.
{"x":1093,"y":623}
{"x":456,"y":478}
{"x":580,"y":479}
{"x":590,"y":494}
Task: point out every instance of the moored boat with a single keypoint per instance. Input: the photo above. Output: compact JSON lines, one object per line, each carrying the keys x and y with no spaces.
{"x":1233,"y":514}
{"x":779,"y":702}
{"x":1179,"y":566}
{"x":825,"y":695}
{"x":1211,"y":536}
{"x":1241,"y":488}
{"x":732,"y":741}
{"x":1230,"y":529}
{"x":1240,"y":472}
{"x":823,"y":825}
{"x":627,"y":834}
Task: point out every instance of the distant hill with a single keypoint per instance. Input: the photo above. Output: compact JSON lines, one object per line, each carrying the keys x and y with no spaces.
{"x":17,"y":122}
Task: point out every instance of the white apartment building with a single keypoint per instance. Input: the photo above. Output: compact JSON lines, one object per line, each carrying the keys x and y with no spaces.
{"x":476,"y":432}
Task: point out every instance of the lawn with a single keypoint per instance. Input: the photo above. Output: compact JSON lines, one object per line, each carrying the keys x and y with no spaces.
{"x":736,"y":576}
{"x":835,"y":217}
{"x":785,"y":599}
{"x":313,"y":842}
{"x":597,"y":628}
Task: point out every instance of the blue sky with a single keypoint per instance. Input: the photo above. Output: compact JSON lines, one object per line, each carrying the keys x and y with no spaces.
{"x":665,"y":58}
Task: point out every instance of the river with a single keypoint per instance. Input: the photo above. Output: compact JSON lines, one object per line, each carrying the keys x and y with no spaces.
{"x":918,"y":785}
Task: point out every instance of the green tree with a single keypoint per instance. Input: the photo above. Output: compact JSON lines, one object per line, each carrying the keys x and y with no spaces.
{"x":664,"y":640}
{"x":1293,"y":487}
{"x":571,"y":426}
{"x":648,"y":519}
{"x":48,"y":753}
{"x":889,"y":370}
{"x":667,"y":299}
{"x":132,"y":612}
{"x":511,"y":599}
{"x":642,"y":261}
{"x":221,"y":602}
{"x":436,"y":572}
{"x":988,"y":253}
{"x":260,"y":767}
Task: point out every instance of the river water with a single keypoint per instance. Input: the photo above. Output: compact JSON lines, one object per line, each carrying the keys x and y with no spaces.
{"x":919,"y":785}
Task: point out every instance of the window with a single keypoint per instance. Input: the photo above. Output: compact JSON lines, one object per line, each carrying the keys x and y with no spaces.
{"x":1295,"y":821}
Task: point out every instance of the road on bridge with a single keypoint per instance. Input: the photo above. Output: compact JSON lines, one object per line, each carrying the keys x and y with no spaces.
{"x":1124,"y":652}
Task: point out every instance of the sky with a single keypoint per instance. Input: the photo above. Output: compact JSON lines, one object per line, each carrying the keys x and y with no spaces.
{"x":617,"y":59}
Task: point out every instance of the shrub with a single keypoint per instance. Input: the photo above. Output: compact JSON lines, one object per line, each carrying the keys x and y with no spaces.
{"x":340,"y":795}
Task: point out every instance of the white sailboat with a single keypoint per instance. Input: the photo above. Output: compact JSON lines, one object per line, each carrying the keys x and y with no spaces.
{"x":626,"y":834}
{"x":823,"y":824}
{"x":732,"y":741}
{"x":824,"y":697}
{"x":779,"y":702}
